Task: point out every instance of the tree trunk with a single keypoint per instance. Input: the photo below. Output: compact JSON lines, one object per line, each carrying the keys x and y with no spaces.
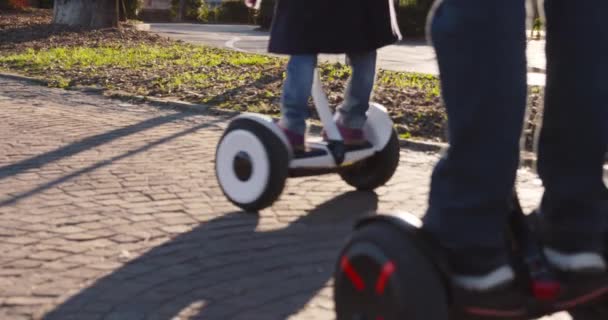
{"x":123,"y":14}
{"x":86,"y":13}
{"x":181,"y":10}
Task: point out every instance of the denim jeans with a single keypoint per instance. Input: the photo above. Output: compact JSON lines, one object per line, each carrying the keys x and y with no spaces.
{"x":480,"y":47}
{"x":298,"y":85}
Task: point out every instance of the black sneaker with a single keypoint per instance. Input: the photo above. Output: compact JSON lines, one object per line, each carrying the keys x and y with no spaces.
{"x":494,"y":295}
{"x":583,"y":276}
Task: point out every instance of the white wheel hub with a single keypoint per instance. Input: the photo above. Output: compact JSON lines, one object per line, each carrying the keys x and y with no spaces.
{"x":238,"y":147}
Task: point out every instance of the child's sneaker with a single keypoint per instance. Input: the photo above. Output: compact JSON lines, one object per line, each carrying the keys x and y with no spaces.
{"x":297,"y":141}
{"x":351,"y":137}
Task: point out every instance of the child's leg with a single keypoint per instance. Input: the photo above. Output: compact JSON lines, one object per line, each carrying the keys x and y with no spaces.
{"x":352,"y":113}
{"x":296,"y":91}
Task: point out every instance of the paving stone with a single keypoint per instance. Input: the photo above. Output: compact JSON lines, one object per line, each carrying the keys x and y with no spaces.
{"x":47,"y":255}
{"x":81,"y":236}
{"x":68,"y":230}
{"x":21,"y":301}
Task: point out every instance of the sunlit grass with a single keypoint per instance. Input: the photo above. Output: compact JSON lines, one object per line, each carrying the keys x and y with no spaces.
{"x":222,"y":78}
{"x":133,"y":57}
{"x":424,"y":82}
{"x":188,"y":58}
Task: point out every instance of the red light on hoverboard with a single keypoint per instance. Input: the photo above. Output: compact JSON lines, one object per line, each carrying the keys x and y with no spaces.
{"x":352,"y":275}
{"x":385,"y":274}
{"x":545,"y":290}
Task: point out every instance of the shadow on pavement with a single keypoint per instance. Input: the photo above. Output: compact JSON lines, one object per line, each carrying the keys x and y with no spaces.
{"x":86,"y":144}
{"x":94,"y":141}
{"x":227,"y":269}
{"x":89,"y":143}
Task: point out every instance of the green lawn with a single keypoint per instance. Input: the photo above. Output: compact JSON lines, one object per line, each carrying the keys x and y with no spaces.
{"x":218,"y":77}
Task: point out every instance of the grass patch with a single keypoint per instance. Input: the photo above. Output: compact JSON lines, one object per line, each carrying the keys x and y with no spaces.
{"x":222,"y":78}
{"x":139,"y":57}
{"x":202,"y":74}
{"x":426,"y":83}
{"x":405,"y":135}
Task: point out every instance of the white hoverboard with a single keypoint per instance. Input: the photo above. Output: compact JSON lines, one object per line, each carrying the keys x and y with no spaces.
{"x":254,"y":158}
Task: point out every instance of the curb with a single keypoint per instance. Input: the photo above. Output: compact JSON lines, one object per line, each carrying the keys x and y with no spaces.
{"x":19,"y":77}
{"x":157,"y":102}
{"x":527,"y":159}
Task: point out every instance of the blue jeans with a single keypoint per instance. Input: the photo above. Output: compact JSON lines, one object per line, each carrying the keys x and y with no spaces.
{"x":298,"y":85}
{"x":480,"y":47}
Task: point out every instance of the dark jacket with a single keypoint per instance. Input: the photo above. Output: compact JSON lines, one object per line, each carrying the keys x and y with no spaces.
{"x":332,"y":26}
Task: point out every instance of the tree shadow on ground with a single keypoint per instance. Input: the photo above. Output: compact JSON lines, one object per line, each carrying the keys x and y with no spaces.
{"x":88,"y":143}
{"x":227,"y":269}
{"x":94,"y":141}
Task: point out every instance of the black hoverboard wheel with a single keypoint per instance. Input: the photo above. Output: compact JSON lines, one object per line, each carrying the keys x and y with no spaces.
{"x":383,"y":275}
{"x":376,"y":170}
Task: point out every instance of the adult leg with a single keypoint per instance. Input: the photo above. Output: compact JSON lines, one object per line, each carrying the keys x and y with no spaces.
{"x":574,"y":137}
{"x":480,"y":47}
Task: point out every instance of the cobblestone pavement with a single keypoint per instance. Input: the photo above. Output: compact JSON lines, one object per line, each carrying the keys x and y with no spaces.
{"x":112,"y":211}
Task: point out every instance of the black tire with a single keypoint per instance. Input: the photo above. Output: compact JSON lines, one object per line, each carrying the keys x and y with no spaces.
{"x":276,"y":154}
{"x":375,"y":171}
{"x":413,"y":291}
